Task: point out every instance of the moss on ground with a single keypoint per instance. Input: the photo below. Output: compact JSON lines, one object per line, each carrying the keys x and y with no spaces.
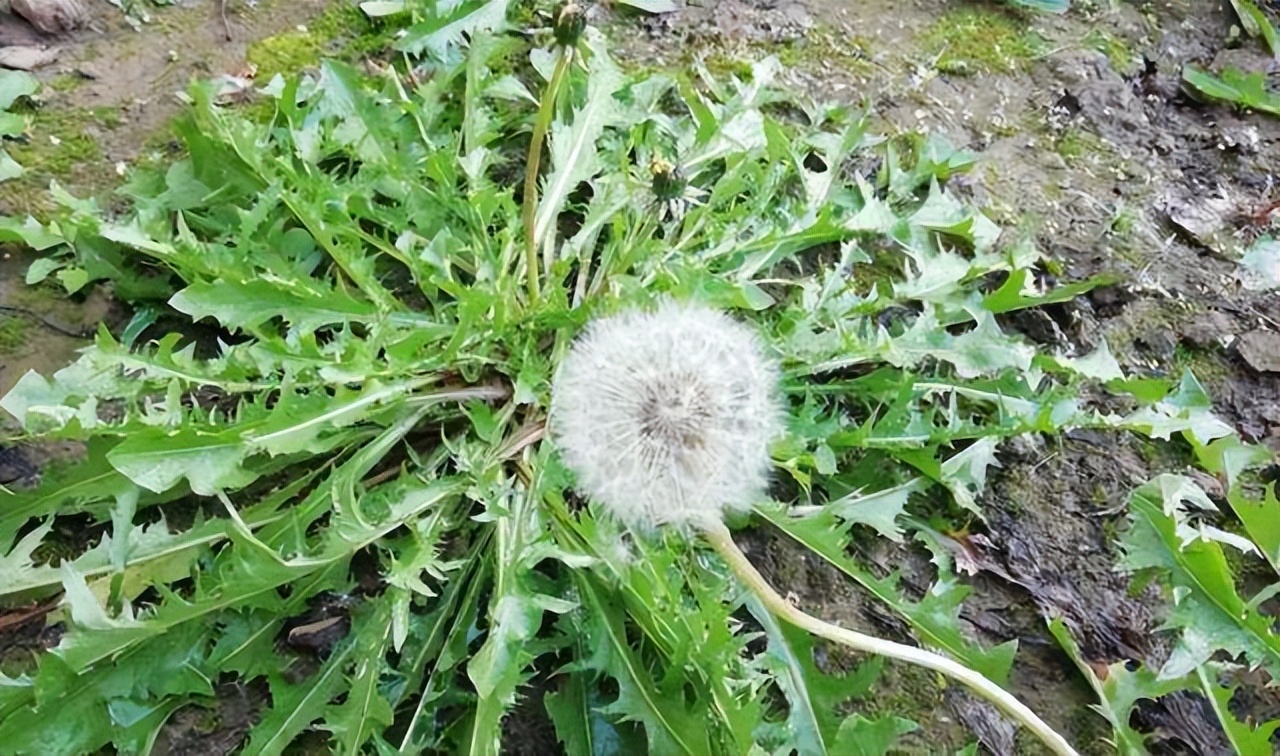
{"x":342,"y":31}
{"x":61,"y":144}
{"x":14,"y":331}
{"x":822,"y":49}
{"x":970,"y":41}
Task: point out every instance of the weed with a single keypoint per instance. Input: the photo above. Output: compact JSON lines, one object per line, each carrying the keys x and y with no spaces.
{"x":350,"y":320}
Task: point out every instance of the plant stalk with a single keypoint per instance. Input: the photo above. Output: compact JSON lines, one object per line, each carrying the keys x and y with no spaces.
{"x":529,"y":213}
{"x":718,"y":536}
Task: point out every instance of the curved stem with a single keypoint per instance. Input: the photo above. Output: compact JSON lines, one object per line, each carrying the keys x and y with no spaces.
{"x":720,"y":539}
{"x":529,"y":213}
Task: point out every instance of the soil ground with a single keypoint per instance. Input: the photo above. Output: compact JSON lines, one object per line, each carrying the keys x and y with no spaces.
{"x":1087,"y":143}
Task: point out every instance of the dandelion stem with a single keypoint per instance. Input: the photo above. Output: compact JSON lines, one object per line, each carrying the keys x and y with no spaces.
{"x":546,"y":111}
{"x":720,"y":539}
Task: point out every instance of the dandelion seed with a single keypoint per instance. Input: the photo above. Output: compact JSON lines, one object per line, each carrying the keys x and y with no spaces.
{"x":666,"y":416}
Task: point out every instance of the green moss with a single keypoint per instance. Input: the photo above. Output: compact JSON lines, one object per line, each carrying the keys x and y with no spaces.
{"x":1205,"y":364}
{"x":343,"y":31}
{"x":1115,"y":48}
{"x":60,"y":145}
{"x":968,"y":41}
{"x":824,"y":49}
{"x":65,"y":83}
{"x":821,"y":50}
{"x":13,"y":332}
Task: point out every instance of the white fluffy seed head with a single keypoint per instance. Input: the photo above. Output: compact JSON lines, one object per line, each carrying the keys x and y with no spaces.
{"x":666,"y":417}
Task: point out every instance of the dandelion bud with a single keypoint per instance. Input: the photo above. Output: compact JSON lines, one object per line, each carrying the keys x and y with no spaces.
{"x":668,"y":180}
{"x":571,"y":21}
{"x":666,"y":417}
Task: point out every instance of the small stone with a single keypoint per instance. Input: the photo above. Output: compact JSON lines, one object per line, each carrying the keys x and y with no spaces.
{"x":1260,"y":350}
{"x":52,"y":16}
{"x":26,"y":58}
{"x":1209,"y":329}
{"x":1161,"y":344}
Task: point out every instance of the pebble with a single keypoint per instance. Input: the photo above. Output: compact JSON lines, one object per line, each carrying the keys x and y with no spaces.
{"x":1260,"y":350}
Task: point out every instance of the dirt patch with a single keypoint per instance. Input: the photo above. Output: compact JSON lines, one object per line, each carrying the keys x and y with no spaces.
{"x":111,"y":93}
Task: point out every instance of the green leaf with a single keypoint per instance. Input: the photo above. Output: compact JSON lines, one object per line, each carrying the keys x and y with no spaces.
{"x":438,"y":36}
{"x":295,"y":706}
{"x":935,"y":619}
{"x":365,"y":711}
{"x":859,"y":736}
{"x":9,"y":168}
{"x":572,"y":144}
{"x":380,"y":8}
{"x":652,"y":6}
{"x":1118,"y":690}
{"x":1246,"y":89}
{"x":1243,"y":738}
{"x":1256,"y":23}
{"x":15,"y":84}
{"x":670,"y":729}
{"x":814,"y":697}
{"x":1207,"y":611}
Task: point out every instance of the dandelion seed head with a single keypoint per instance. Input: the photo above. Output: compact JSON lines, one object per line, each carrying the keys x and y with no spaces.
{"x":666,"y":416}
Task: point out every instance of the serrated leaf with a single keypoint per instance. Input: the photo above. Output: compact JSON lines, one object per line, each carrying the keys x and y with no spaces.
{"x":984,"y":350}
{"x":1243,"y":738}
{"x":364,"y":710}
{"x":935,"y":619}
{"x":1099,"y":364}
{"x":440,"y":35}
{"x":859,"y":736}
{"x":1207,"y":611}
{"x":295,"y":706}
{"x":1118,"y":689}
{"x":572,"y":145}
{"x":669,"y":729}
{"x":814,"y":697}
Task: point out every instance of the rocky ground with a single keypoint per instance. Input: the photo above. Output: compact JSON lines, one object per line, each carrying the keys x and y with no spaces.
{"x":1088,"y":144}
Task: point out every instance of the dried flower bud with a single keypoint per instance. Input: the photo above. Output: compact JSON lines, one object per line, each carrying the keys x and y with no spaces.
{"x":668,"y":180}
{"x":571,"y":21}
{"x":666,"y":417}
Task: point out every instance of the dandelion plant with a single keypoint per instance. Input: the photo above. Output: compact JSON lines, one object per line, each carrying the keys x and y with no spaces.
{"x":317,"y":475}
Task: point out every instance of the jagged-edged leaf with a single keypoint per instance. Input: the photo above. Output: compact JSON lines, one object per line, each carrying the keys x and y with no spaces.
{"x":814,"y":698}
{"x":641,"y":698}
{"x":1207,"y":611}
{"x":984,"y":350}
{"x":1118,"y":689}
{"x":935,"y":619}
{"x":859,"y":736}
{"x":572,"y":145}
{"x":296,"y":705}
{"x":450,"y":25}
{"x":365,"y":710}
{"x":515,"y":613}
{"x":1243,"y":737}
